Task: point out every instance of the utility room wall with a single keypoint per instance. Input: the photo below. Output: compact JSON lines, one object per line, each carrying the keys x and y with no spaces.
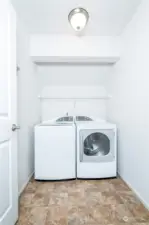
{"x":72,"y":81}
{"x":27,"y":107}
{"x":129,"y":106}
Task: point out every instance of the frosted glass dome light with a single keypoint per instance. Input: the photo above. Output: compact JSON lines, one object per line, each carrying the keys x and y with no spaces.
{"x":78,"y":18}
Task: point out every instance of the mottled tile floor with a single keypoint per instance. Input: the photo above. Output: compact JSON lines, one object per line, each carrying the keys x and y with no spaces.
{"x":102,"y":202}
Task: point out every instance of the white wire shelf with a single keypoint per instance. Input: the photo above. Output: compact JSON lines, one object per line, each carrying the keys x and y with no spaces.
{"x":75,"y":99}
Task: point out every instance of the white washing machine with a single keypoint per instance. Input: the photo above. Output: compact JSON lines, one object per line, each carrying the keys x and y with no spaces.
{"x":96,"y":148}
{"x":55,"y":150}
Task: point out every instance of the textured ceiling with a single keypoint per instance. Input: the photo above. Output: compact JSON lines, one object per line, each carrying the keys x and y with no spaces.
{"x":107,"y":17}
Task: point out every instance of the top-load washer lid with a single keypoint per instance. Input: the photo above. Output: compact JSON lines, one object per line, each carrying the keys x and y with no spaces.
{"x":61,"y":121}
{"x":65,"y":119}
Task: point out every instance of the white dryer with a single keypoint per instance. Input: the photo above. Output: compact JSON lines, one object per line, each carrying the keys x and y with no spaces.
{"x":96,"y":148}
{"x":55,"y":152}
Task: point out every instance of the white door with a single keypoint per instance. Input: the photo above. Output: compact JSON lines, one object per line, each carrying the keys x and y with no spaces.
{"x":8,"y":104}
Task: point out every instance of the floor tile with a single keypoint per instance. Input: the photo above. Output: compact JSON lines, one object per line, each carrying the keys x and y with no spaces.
{"x":119,"y":185}
{"x":57,"y":215}
{"x":23,"y":216}
{"x":80,"y":215}
{"x":58,"y":199}
{"x":40,"y":199}
{"x":33,"y":216}
{"x":31,"y":187}
{"x":45,"y":187}
{"x":26,"y":199}
{"x":37,"y":215}
{"x":121,"y":213}
{"x":79,"y":202}
{"x":103,"y":198}
{"x":139,"y":212}
{"x":128,"y":197}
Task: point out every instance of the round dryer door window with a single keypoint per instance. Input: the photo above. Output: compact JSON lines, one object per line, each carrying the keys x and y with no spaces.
{"x":96,"y":144}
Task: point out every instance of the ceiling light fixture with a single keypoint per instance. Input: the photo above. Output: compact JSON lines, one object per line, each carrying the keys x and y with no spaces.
{"x":78,"y":19}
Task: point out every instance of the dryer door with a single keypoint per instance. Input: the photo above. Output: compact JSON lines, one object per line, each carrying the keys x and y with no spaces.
{"x":97,"y":145}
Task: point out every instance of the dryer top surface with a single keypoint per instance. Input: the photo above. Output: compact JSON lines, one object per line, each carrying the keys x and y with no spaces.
{"x":95,"y":125}
{"x":86,"y":119}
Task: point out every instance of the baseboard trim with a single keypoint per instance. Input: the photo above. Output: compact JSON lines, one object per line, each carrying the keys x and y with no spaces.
{"x":136,"y":193}
{"x":25,"y":184}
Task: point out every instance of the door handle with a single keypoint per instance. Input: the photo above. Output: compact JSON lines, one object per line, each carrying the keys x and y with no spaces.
{"x":15,"y":127}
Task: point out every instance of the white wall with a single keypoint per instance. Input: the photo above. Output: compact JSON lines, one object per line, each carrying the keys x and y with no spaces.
{"x":72,"y":74}
{"x":86,"y":79}
{"x":27,"y":107}
{"x":72,"y":81}
{"x":45,"y":48}
{"x":129,"y":107}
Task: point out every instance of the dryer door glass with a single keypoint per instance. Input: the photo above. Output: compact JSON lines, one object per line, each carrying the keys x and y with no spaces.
{"x":96,"y":144}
